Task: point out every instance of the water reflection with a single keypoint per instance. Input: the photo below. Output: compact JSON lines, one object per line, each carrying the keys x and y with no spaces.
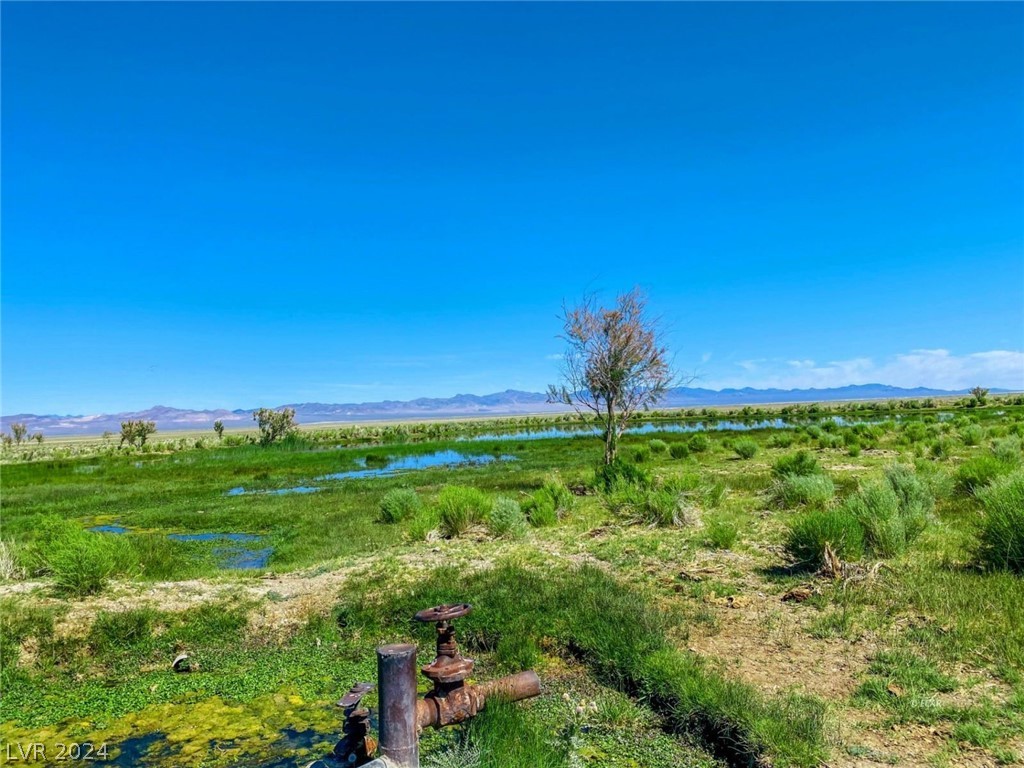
{"x":389,"y":466}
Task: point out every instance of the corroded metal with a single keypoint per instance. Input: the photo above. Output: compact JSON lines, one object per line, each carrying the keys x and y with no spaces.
{"x":450,"y":668}
{"x":460,"y":704}
{"x":356,"y":745}
{"x":402,"y":716}
{"x":396,"y":676}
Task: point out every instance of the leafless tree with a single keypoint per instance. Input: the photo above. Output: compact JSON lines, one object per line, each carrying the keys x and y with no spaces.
{"x":615,"y":363}
{"x":979,"y":393}
{"x":18,"y":432}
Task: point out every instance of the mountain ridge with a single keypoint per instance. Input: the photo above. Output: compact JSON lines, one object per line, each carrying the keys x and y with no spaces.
{"x":510,"y":402}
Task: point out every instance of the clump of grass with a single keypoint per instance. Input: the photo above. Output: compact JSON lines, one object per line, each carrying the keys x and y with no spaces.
{"x":609,"y":476}
{"x":699,"y":443}
{"x":460,"y":507}
{"x":974,"y":474}
{"x":10,"y":570}
{"x":660,"y":504}
{"x":679,"y":450}
{"x":641,"y":454}
{"x":506,"y":519}
{"x":800,"y":463}
{"x":1002,"y":530}
{"x":812,"y":530}
{"x":549,"y":503}
{"x":792,"y":491}
{"x":121,"y":630}
{"x":745,"y":447}
{"x":424,"y":523}
{"x":399,"y":504}
{"x":720,"y":533}
{"x":781,"y":439}
{"x":658,"y":446}
{"x":81,"y":562}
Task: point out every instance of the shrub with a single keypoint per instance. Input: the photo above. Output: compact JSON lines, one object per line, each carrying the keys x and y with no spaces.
{"x":812,"y":530}
{"x":679,"y":450}
{"x":658,"y":446}
{"x":506,"y":519}
{"x":972,"y":434}
{"x":1002,"y":530}
{"x":745,"y":448}
{"x":399,"y":504}
{"x":781,"y":439}
{"x":800,"y":463}
{"x":459,"y":507}
{"x":978,"y":472}
{"x":81,"y":562}
{"x":889,"y":525}
{"x":796,"y":490}
{"x":1007,"y":450}
{"x":699,"y":443}
{"x":915,"y":496}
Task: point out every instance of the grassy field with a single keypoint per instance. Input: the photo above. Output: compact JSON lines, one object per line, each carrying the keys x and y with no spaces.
{"x":682,"y":609}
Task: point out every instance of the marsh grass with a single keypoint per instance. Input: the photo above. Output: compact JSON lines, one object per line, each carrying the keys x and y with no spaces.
{"x":399,"y":504}
{"x":1002,"y":528}
{"x":460,"y":507}
{"x":791,"y":491}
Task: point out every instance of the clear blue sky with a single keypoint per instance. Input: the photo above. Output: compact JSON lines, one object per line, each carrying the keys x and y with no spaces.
{"x":235,"y":205}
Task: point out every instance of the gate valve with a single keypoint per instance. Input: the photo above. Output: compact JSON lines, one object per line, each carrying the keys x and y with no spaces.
{"x":356,"y":746}
{"x":450,"y":668}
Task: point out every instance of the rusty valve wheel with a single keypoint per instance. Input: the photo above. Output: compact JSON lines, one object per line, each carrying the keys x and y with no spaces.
{"x":441,"y":613}
{"x":354,"y":695}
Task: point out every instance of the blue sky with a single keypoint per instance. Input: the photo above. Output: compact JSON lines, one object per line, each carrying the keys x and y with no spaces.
{"x":232,"y":205}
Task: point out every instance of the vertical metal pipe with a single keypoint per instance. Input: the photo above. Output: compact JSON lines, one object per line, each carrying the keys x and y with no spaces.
{"x":396,"y":681}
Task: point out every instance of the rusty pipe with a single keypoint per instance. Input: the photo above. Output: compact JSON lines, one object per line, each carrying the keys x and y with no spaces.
{"x":462,"y":703}
{"x":396,"y":681}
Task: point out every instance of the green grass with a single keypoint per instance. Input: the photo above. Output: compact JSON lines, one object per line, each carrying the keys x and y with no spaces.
{"x":1002,"y":529}
{"x":932,"y":603}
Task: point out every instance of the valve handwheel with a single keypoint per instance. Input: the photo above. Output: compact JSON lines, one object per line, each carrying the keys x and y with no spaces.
{"x":443,"y":613}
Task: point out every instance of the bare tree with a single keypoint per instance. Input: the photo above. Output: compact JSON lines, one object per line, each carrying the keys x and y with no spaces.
{"x":18,"y":432}
{"x":615,"y":363}
{"x":979,"y":393}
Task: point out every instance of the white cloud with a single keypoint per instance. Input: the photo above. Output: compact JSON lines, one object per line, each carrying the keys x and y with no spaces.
{"x":938,"y":368}
{"x":705,"y":357}
{"x":556,"y":356}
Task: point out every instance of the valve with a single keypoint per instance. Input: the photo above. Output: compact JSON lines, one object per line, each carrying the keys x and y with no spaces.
{"x":450,"y":668}
{"x":356,"y":746}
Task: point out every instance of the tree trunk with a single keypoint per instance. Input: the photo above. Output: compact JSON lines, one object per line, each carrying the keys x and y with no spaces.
{"x":611,"y":435}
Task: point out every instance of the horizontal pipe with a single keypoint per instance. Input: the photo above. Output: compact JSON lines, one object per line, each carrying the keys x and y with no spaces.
{"x":460,"y":704}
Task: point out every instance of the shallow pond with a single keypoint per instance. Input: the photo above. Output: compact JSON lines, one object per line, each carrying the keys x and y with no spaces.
{"x":234,"y":557}
{"x":390,"y":466}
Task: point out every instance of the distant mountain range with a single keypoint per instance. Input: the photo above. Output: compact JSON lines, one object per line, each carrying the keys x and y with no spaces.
{"x":507,"y":403}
